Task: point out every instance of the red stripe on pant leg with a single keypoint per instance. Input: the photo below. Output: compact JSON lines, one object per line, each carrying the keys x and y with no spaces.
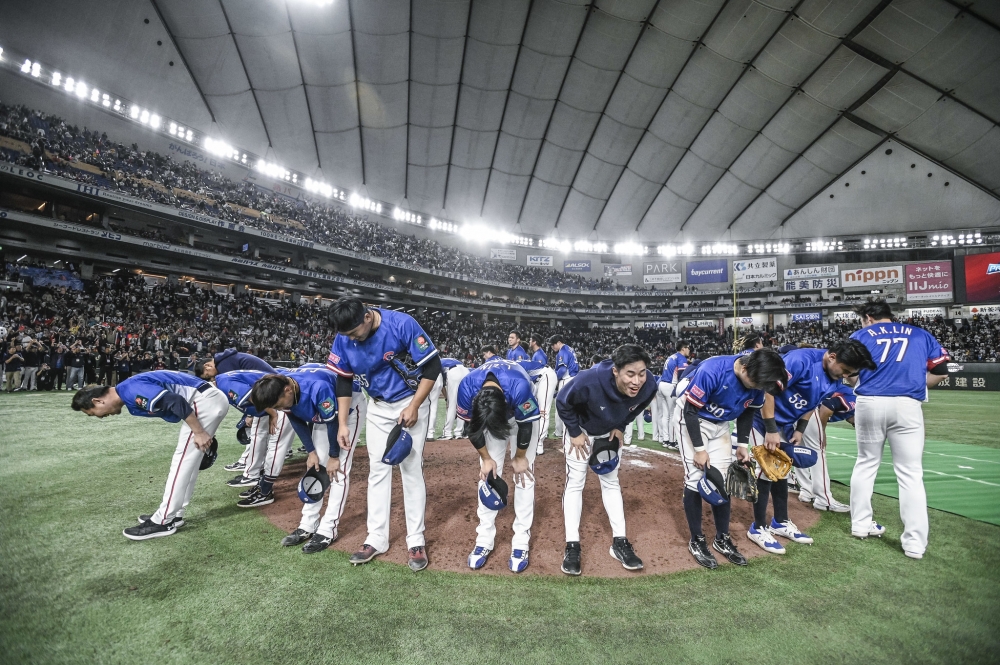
{"x":173,"y":485}
{"x":822,"y":448}
{"x":347,"y":470}
{"x":274,"y":457}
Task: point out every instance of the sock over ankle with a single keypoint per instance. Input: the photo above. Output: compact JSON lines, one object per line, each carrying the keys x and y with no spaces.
{"x":760,"y":508}
{"x":721,"y":515}
{"x":779,"y":496}
{"x":692,"y":510}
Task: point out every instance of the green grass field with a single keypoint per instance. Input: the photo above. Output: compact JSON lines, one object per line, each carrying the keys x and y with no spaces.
{"x":73,"y":590}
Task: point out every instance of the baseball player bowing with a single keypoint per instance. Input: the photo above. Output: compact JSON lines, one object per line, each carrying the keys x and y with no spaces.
{"x":567,"y":368}
{"x":813,"y":375}
{"x":259,"y":427}
{"x":814,"y":481}
{"x":545,"y":388}
{"x":600,"y":403}
{"x":719,"y":390}
{"x":497,"y":400}
{"x":453,"y":372}
{"x":371,"y":344}
{"x":270,"y":433}
{"x":174,"y":397}
{"x":310,"y":398}
{"x":908,"y":360}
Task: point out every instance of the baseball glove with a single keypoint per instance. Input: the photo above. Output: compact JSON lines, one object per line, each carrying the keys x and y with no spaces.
{"x":774,"y":463}
{"x":741,"y":482}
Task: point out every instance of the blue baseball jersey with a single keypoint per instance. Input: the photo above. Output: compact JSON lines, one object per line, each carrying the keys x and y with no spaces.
{"x":513,"y":380}
{"x":842,"y":402}
{"x":540,"y":357}
{"x":903,"y":354}
{"x":231,"y":360}
{"x":808,"y":385}
{"x":355,"y":385}
{"x":675,"y":366}
{"x":237,"y":385}
{"x":448,"y":363}
{"x":566,"y":364}
{"x":317,"y":395}
{"x":144,"y":394}
{"x":377,"y":362}
{"x":718,"y":393}
{"x":517,"y":353}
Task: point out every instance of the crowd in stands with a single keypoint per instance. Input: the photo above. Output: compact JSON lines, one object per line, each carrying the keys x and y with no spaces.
{"x":61,"y":147}
{"x":117,"y":326}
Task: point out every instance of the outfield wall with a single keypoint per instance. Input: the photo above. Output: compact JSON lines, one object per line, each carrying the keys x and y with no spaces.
{"x":979,"y":377}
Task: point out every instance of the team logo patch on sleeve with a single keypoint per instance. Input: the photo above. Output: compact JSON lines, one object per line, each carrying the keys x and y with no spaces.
{"x":333,"y":358}
{"x":142,"y":402}
{"x":527,"y":407}
{"x":422,"y":343}
{"x":697,"y":392}
{"x":232,"y":395}
{"x":327,"y":407}
{"x":461,"y":411}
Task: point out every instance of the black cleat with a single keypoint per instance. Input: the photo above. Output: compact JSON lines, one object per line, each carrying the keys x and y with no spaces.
{"x":317,"y":543}
{"x":622,"y":550}
{"x":571,"y":559}
{"x":256,"y":499}
{"x":177,"y":522}
{"x":148,"y":530}
{"x":235,"y":466}
{"x":699,"y":550}
{"x":241,"y":481}
{"x":295,"y":537}
{"x":727,"y":548}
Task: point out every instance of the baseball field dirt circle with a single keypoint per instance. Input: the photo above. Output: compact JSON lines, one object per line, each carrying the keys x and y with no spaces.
{"x":651,"y":484}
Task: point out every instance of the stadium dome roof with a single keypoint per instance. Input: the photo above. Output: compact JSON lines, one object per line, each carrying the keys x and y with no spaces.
{"x":622,"y":119}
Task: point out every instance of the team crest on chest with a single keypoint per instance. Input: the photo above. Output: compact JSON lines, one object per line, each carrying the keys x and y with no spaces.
{"x":388,"y":355}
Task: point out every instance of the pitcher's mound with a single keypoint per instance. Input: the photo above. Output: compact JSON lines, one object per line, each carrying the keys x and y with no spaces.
{"x":651,"y":483}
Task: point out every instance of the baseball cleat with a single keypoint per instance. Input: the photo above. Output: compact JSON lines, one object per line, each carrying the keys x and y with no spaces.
{"x":539,"y":450}
{"x":571,"y":559}
{"x":913,"y":555}
{"x":518,"y":561}
{"x":727,"y":548}
{"x":764,"y":540}
{"x":177,"y":522}
{"x":364,"y":555}
{"x":833,"y":506}
{"x":148,"y":530}
{"x":296,"y":537}
{"x":418,"y":558}
{"x":622,"y":550}
{"x":317,"y":543}
{"x":256,"y":499}
{"x":699,"y":550}
{"x":787,"y":529}
{"x":241,"y":481}
{"x":235,"y":466}
{"x":289,"y":454}
{"x":248,"y":491}
{"x":805,"y":496}
{"x":477,"y":559}
{"x":875,"y":529}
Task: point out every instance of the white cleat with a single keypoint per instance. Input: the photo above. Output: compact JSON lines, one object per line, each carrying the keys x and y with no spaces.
{"x":876,"y":530}
{"x":833,"y":506}
{"x":787,"y":529}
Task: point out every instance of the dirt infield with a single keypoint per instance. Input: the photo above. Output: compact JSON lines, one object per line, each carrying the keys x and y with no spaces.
{"x":651,"y":484}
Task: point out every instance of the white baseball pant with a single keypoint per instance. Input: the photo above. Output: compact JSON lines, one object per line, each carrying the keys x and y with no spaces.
{"x":432,"y":401}
{"x":339,"y":487}
{"x":524,"y":496}
{"x":381,"y":419}
{"x":277,"y":446}
{"x":560,"y":429}
{"x":452,"y":424}
{"x":254,"y":452}
{"x":814,"y":482}
{"x":544,"y":389}
{"x":717,"y":442}
{"x":901,"y":421}
{"x":211,"y":407}
{"x":576,"y":478}
{"x":664,"y":394}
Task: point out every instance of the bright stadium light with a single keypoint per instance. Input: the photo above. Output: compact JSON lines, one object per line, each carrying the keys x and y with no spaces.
{"x":56,"y":79}
{"x":26,"y":67}
{"x":36,"y":69}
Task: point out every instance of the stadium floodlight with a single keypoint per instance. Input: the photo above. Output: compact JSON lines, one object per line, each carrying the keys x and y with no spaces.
{"x":144,"y":117}
{"x":118,"y":105}
{"x":36,"y":69}
{"x":81,"y":89}
{"x":105,"y":100}
{"x":26,"y":67}
{"x":172,"y":128}
{"x":133,"y":111}
{"x":1,"y":53}
{"x":95,"y":95}
{"x":56,"y":78}
{"x":630,"y":249}
{"x":70,"y":84}
{"x":154,"y":121}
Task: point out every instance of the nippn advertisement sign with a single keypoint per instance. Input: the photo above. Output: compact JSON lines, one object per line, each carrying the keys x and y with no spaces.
{"x":877,"y":276}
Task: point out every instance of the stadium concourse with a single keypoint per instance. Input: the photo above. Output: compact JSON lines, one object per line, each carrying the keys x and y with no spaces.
{"x":500,"y":331}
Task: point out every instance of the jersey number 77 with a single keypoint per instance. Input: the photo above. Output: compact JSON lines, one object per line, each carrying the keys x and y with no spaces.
{"x":889,"y":344}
